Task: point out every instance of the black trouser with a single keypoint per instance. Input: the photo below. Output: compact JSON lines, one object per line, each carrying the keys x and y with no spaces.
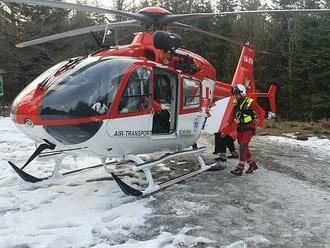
{"x":221,"y":143}
{"x":161,"y":122}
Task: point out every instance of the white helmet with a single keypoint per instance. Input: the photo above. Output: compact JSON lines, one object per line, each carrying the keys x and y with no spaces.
{"x":239,"y":89}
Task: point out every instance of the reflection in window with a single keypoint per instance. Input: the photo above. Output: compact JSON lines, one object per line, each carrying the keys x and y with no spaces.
{"x":137,"y":93}
{"x":163,"y":91}
{"x":89,"y":91}
{"x":191,"y":94}
{"x":34,"y":84}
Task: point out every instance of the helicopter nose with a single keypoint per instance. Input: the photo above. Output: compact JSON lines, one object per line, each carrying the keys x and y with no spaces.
{"x":24,"y":113}
{"x":24,"y":109}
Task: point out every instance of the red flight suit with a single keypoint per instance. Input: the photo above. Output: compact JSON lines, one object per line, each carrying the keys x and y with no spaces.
{"x":245,"y":130}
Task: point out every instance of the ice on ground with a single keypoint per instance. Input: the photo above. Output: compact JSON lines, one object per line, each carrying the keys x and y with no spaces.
{"x":69,"y":212}
{"x":285,"y":204}
{"x":249,"y":242}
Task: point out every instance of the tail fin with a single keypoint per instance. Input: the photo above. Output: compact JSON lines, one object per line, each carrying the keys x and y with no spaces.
{"x":222,"y":110}
{"x":244,"y":73}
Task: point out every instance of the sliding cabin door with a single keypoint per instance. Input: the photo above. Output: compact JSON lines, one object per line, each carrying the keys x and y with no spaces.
{"x":131,"y":124}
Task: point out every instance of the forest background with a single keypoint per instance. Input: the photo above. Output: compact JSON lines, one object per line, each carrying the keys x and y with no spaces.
{"x":299,"y":45}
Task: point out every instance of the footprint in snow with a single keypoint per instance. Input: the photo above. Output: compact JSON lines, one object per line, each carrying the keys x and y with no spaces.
{"x":59,"y":226}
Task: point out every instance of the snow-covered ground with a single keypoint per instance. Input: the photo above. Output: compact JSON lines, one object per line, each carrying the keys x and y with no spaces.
{"x":285,"y":204}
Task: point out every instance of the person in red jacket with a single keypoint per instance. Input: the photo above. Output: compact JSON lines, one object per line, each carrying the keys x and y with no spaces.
{"x":156,"y":106}
{"x":248,"y":115}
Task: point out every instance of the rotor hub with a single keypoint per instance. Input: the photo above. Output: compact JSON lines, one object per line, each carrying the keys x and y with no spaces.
{"x":154,"y":11}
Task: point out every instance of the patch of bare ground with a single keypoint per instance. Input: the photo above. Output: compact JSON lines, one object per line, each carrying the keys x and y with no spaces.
{"x":299,"y":130}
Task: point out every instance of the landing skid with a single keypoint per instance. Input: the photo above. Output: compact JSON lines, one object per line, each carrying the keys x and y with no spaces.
{"x":26,"y":176}
{"x":32,"y":179}
{"x":141,"y":165}
{"x":152,"y":186}
{"x":39,"y":152}
{"x":127,"y":189}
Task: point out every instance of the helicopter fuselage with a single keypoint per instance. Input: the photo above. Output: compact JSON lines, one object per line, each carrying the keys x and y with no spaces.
{"x":128,"y":100}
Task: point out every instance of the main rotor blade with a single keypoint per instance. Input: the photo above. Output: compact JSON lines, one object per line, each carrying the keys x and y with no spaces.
{"x":76,"y":32}
{"x":173,"y":18}
{"x":81,"y":7}
{"x":189,"y":27}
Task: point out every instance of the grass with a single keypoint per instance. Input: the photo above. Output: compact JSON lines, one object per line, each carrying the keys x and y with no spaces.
{"x":320,"y":129}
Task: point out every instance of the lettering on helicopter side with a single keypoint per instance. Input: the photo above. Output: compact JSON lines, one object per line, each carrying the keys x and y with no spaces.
{"x":185,"y":132}
{"x":248,"y":60}
{"x":133,"y":133}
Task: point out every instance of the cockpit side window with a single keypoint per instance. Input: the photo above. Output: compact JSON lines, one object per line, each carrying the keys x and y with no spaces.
{"x":137,"y":95}
{"x":89,"y":91}
{"x":191,"y":94}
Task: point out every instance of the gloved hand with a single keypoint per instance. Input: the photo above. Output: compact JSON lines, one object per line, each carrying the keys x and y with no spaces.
{"x":99,"y":107}
{"x":270,"y":115}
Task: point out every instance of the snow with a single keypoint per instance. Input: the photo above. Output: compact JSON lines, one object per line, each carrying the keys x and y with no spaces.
{"x":285,"y":204}
{"x":69,"y":212}
{"x":253,"y":240}
{"x":313,"y":143}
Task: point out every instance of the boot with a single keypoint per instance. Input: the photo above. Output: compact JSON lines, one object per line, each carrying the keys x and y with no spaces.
{"x":253,"y":167}
{"x":221,"y":158}
{"x":238,"y":171}
{"x":233,"y":155}
{"x":218,"y":167}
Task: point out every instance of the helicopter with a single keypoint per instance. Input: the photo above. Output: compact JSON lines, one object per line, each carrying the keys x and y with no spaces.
{"x":148,"y":96}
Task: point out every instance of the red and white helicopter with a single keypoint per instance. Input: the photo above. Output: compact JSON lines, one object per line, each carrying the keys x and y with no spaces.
{"x":120,"y":102}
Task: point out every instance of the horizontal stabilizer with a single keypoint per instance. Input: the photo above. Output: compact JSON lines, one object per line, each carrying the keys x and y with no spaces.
{"x":271,"y":95}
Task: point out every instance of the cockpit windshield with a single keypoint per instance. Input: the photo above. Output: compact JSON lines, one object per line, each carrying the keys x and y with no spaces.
{"x":88,"y":91}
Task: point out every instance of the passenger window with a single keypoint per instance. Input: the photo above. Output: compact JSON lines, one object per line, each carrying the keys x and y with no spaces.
{"x":137,"y":95}
{"x":191,"y":94}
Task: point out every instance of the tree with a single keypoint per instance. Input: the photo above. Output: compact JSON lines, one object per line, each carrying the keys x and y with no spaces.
{"x":299,"y":45}
{"x":23,"y":22}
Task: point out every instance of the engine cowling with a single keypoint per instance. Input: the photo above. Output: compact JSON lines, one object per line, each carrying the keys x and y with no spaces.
{"x":167,"y":41}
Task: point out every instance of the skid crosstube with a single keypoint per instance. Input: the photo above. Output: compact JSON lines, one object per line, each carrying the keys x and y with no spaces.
{"x":129,"y":190}
{"x":153,"y":187}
